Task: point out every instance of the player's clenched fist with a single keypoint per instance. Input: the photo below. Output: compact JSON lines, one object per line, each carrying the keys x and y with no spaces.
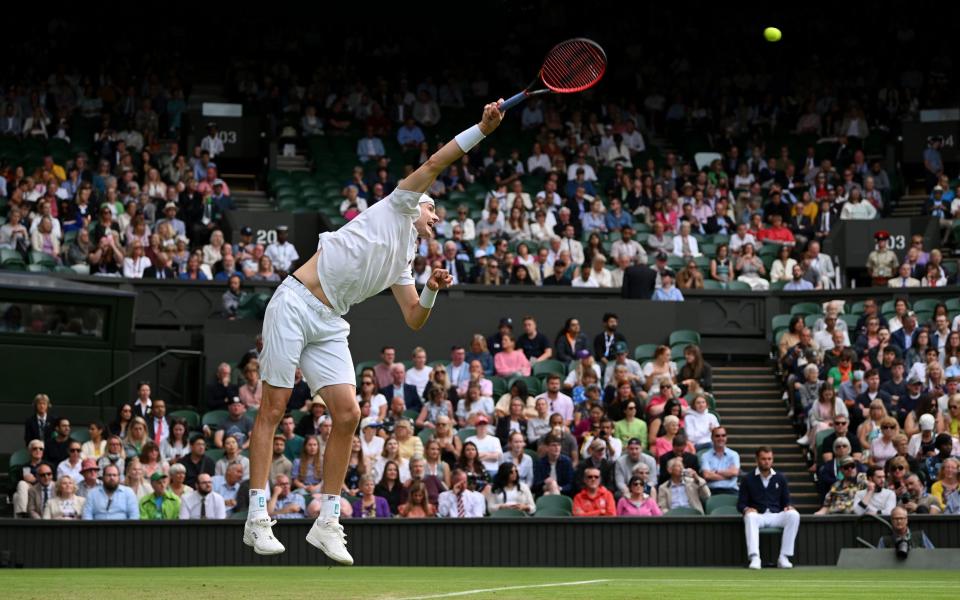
{"x":440,"y":279}
{"x":491,"y":117}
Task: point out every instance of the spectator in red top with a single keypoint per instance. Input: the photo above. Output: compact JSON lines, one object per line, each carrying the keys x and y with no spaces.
{"x":594,"y":500}
{"x":777,"y":232}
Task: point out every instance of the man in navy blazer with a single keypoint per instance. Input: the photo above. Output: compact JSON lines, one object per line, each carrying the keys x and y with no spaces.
{"x":410,"y":397}
{"x":562,"y":476}
{"x":765,"y":502}
{"x":909,"y":331}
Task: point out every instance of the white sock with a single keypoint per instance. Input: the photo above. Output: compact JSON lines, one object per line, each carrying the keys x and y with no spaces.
{"x":330,"y":508}
{"x":258,"y":504}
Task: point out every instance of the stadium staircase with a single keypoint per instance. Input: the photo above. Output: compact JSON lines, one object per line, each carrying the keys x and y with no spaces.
{"x":751,"y":409}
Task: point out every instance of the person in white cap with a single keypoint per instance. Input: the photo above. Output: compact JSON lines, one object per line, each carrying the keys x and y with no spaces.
{"x":924,"y":443}
{"x":282,"y":253}
{"x":304,"y":327}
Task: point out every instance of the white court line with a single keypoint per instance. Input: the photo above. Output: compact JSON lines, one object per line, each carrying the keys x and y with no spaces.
{"x":507,"y":589}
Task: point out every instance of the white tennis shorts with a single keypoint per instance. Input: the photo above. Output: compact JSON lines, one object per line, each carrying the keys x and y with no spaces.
{"x":299,"y":330}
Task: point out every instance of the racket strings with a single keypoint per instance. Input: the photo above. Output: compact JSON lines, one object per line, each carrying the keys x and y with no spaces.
{"x":573,"y":66}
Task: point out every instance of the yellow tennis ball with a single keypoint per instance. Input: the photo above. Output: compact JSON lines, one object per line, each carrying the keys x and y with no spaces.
{"x":772,"y":34}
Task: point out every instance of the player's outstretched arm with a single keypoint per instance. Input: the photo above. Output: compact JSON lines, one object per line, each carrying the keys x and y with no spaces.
{"x":421,"y":179}
{"x":416,"y":308}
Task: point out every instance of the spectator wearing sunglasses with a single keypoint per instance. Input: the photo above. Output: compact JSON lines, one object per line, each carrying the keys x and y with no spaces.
{"x":840,"y":499}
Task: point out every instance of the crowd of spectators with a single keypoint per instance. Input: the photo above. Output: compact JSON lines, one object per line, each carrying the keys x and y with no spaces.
{"x":877,"y":396}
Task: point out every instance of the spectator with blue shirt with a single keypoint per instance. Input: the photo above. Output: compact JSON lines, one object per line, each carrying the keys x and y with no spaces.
{"x":933,"y":161}
{"x":410,"y":136}
{"x":667,"y":292}
{"x":721,"y":465}
{"x":617,"y":218}
{"x":112,"y":501}
{"x":765,"y":502}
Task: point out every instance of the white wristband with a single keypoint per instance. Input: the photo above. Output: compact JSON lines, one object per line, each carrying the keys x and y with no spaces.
{"x":428,"y":297}
{"x":468,"y":138}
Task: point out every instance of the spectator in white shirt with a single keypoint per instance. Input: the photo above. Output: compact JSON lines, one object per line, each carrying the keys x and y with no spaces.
{"x":204,"y":503}
{"x":489,"y":448}
{"x":460,"y":502}
{"x":369,"y":147}
{"x":419,"y":374}
{"x":136,"y":263}
{"x":588,"y":173}
{"x":539,"y":161}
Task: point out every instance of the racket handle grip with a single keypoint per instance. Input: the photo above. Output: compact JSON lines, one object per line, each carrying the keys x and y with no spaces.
{"x":513,"y":101}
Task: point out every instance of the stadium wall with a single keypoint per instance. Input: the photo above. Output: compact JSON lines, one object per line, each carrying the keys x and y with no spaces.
{"x":546,"y":542}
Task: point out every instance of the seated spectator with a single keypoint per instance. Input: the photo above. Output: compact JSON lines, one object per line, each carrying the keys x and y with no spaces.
{"x":947,"y":482}
{"x":401,"y":390}
{"x":66,"y":504}
{"x":410,"y":445}
{"x":178,"y":476}
{"x":840,"y":498}
{"x":637,"y":502}
{"x":235,"y":490}
{"x":231,"y":455}
{"x":161,"y":503}
{"x":236,"y":424}
{"x":680,"y":448}
{"x":205,"y":503}
{"x":684,"y":488}
{"x":631,"y":463}
{"x":306,"y":469}
{"x":197,"y":461}
{"x":460,"y":502}
{"x":40,"y":493}
{"x":750,"y":269}
{"x":593,"y":500}
{"x":56,"y":447}
{"x":391,"y":453}
{"x":916,"y":499}
{"x":721,"y":465}
{"x":112,"y":501}
{"x":875,"y":498}
{"x":630,"y":427}
{"x":152,"y":461}
{"x":370,"y":505}
{"x":510,"y":361}
{"x":664,"y":442}
{"x":284,"y":503}
{"x":251,"y":391}
{"x":90,"y":478}
{"x":553,"y":474}
{"x":71,"y":465}
{"x":417,"y":505}
{"x":473,"y":406}
{"x":508,"y":491}
{"x":699,"y":422}
{"x":659,"y":369}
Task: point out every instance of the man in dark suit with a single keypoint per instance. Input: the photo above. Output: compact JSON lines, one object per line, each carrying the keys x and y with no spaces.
{"x":638,"y":282}
{"x":164,"y":272}
{"x":411,"y":399}
{"x":765,"y":502}
{"x":827,"y":219}
{"x":222,"y":389}
{"x":158,"y":424}
{"x":554,"y":472}
{"x":909,"y":332}
{"x":862,"y":402}
{"x":456,"y":268}
{"x":559,"y":276}
{"x":720,"y":222}
{"x":40,"y":425}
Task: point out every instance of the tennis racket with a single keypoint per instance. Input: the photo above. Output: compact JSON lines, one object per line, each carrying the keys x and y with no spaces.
{"x":571,"y":66}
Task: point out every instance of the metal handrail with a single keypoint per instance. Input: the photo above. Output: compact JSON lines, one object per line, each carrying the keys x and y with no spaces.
{"x":125,"y":376}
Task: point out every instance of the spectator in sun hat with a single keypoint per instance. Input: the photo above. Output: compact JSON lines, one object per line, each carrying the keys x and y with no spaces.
{"x":170,"y":217}
{"x":882,"y":263}
{"x":90,"y":477}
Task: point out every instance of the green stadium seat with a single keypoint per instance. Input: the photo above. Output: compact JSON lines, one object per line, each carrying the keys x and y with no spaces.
{"x":888,"y":307}
{"x":365,"y":364}
{"x":533,"y":384}
{"x":38,"y":268}
{"x":11,"y":259}
{"x":718,"y":500}
{"x":684,"y":511}
{"x":508,"y":513}
{"x":215,"y":454}
{"x":411,"y":414}
{"x":545,"y":367}
{"x":466,"y":432}
{"x":556,"y":502}
{"x":856,"y":308}
{"x":213,"y":418}
{"x":739,"y":286}
{"x":644,"y":352}
{"x":190,"y":416}
{"x":781,"y":322}
{"x":684,"y":336}
{"x":712,"y":284}
{"x":806,"y":308}
{"x":850,"y":320}
{"x":425,"y":435}
{"x":926,"y":305}
{"x":811,"y":320}
{"x":499,"y":386}
{"x":551,"y":512}
{"x":723,"y":511}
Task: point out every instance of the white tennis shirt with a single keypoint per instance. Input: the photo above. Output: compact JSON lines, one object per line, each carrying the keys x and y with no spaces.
{"x":370,"y":253}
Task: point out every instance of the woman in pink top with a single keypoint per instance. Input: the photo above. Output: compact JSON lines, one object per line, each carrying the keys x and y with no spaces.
{"x":638,"y":503}
{"x":510,"y":361}
{"x":664,"y":443}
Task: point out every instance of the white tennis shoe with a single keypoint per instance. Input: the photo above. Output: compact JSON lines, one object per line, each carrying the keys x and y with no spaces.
{"x":331,"y":540}
{"x":258,"y":534}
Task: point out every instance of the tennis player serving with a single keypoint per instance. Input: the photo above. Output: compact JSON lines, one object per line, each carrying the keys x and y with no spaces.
{"x":304,"y":327}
